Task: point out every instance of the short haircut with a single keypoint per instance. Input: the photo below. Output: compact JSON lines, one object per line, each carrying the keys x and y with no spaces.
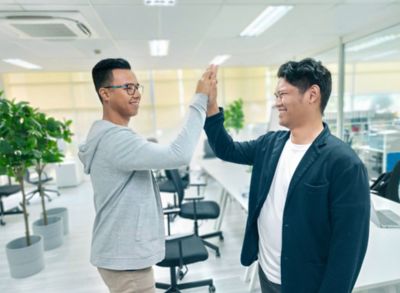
{"x":102,"y":72}
{"x":304,"y":74}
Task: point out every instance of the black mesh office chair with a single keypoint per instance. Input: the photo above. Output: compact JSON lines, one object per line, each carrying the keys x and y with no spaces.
{"x":166,"y":184}
{"x":35,"y":181}
{"x":182,"y":250}
{"x":195,"y":208}
{"x":5,"y":191}
{"x":392,"y":189}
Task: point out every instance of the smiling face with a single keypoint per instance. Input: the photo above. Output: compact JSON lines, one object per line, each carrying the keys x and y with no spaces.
{"x":117,"y":100}
{"x":293,"y":106}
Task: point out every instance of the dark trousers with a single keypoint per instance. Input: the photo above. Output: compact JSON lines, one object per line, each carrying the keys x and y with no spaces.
{"x":266,"y":285}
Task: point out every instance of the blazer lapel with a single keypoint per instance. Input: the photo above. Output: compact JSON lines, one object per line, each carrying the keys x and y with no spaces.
{"x":268,"y":172}
{"x":306,"y":162}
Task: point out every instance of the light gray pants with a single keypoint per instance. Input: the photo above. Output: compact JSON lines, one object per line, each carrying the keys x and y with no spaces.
{"x":138,"y":281}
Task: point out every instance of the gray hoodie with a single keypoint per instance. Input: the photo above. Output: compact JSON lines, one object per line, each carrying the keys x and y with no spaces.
{"x":128,"y":230}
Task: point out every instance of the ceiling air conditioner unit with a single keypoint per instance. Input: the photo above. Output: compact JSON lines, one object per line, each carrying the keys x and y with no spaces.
{"x":48,"y":25}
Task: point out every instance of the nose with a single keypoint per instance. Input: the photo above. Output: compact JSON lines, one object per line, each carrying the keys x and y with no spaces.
{"x":278,"y":101}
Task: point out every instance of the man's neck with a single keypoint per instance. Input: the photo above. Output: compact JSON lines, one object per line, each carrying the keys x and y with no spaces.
{"x":116,"y":119}
{"x":306,"y":134}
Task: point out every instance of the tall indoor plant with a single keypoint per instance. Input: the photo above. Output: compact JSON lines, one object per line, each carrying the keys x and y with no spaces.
{"x":51,"y":130}
{"x":234,"y":116}
{"x":19,"y":135}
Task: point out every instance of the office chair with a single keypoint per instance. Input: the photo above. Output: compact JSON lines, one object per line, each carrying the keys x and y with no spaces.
{"x":45,"y":178}
{"x":392,"y":189}
{"x":5,"y":191}
{"x":182,"y":250}
{"x":196,"y":209}
{"x":165,"y":184}
{"x":387,"y":184}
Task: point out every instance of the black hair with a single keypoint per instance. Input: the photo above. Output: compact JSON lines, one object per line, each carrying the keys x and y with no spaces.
{"x":102,"y":72}
{"x":304,"y":74}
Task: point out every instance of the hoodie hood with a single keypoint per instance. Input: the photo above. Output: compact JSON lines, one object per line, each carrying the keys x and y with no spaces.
{"x":97,"y":132}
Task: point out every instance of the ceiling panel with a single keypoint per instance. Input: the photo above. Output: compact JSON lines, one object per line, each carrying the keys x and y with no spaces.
{"x":198,"y":30}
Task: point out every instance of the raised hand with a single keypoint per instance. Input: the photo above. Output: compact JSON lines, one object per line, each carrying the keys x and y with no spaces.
{"x":212,"y":107}
{"x":204,"y":83}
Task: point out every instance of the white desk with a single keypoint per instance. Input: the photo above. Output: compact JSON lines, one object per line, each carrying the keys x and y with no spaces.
{"x":381,"y":266}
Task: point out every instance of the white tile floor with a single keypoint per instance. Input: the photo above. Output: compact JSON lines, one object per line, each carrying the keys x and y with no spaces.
{"x":68,"y":269}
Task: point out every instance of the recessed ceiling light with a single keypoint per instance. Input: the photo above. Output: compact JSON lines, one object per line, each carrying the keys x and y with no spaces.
{"x":266,"y":19}
{"x":22,"y":63}
{"x":159,"y":2}
{"x":159,"y":47}
{"x":372,"y":43}
{"x":218,"y":60}
{"x":380,"y":55}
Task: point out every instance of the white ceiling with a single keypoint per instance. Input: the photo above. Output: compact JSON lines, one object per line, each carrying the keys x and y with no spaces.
{"x":198,"y":30}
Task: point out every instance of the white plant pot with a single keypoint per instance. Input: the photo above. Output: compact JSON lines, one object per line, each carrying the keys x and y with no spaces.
{"x":60,"y":212}
{"x":25,"y":260}
{"x":52,"y":233}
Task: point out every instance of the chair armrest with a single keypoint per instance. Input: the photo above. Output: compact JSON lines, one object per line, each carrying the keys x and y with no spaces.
{"x":374,"y":192}
{"x":178,"y":236}
{"x":171,"y":211}
{"x":194,"y":198}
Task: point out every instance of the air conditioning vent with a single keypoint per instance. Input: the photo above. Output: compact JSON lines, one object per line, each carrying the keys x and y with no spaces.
{"x":45,"y":25}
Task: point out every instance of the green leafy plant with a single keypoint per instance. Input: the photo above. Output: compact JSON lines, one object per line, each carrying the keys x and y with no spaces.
{"x":51,"y":131}
{"x":234,"y":116}
{"x":19,"y":136}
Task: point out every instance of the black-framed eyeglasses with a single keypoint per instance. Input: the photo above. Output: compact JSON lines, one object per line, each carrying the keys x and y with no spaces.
{"x":130,"y":88}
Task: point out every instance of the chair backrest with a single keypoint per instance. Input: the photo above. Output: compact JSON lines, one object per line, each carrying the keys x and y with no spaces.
{"x":387,"y":184}
{"x":392,"y":189}
{"x":177,"y":182}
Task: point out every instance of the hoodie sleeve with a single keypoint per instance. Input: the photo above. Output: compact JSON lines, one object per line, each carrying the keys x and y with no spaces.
{"x":130,"y":151}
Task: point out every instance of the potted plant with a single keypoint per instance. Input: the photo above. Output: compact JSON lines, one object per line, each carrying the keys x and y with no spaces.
{"x":52,"y":130}
{"x":234,"y":116}
{"x":19,"y":133}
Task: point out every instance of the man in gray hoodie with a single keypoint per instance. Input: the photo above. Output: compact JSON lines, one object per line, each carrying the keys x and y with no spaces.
{"x":128,"y":233}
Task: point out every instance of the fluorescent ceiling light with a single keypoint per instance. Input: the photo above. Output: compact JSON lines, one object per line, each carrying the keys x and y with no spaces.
{"x":372,"y":43}
{"x":159,"y":2}
{"x":218,"y":60}
{"x":22,"y":63}
{"x":380,"y":55}
{"x":159,"y":47}
{"x":266,"y":19}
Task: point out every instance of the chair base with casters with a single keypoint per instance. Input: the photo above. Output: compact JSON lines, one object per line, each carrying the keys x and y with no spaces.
{"x":210,"y":245}
{"x":6,"y":191}
{"x":31,"y":194}
{"x":35,"y":182}
{"x":183,"y":251}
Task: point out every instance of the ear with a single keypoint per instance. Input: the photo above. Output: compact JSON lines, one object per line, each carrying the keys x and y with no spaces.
{"x":315,"y":94}
{"x":104,"y":94}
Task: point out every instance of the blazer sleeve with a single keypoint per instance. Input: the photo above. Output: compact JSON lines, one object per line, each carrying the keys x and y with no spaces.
{"x":223,"y":145}
{"x":350,"y":215}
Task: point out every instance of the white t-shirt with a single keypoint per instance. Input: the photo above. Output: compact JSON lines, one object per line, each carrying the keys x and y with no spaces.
{"x":270,"y":218}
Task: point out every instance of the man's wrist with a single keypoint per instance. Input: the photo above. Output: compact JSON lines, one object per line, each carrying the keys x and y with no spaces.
{"x":212,"y":110}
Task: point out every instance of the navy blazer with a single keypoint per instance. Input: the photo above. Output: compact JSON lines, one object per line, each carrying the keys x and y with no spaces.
{"x":326,"y":215}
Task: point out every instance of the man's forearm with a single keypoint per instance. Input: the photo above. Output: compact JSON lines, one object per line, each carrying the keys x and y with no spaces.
{"x":212,"y":109}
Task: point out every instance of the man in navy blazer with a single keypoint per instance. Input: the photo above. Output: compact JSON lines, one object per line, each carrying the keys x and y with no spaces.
{"x":309,"y":201}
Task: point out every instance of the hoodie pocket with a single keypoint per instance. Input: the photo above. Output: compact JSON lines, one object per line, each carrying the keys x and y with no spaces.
{"x":148,"y":224}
